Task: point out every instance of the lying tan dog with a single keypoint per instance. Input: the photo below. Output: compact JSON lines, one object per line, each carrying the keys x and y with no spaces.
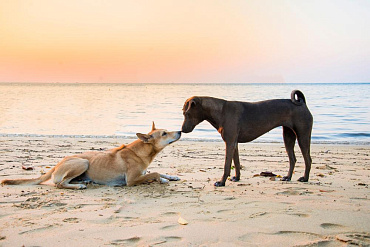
{"x":125,"y":165}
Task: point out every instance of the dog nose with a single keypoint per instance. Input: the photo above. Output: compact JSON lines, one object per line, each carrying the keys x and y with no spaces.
{"x":185,"y":131}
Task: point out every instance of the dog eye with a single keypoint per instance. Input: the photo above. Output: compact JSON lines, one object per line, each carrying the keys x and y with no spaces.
{"x":164,"y":134}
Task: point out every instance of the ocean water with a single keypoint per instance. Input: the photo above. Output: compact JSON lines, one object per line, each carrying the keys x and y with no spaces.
{"x":341,"y":111}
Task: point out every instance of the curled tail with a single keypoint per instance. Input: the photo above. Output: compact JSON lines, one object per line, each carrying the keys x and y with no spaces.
{"x":297,"y":97}
{"x":32,"y":181}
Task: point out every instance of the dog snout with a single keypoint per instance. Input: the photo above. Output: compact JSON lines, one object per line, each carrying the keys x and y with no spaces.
{"x":178,"y":134}
{"x":186,"y":129}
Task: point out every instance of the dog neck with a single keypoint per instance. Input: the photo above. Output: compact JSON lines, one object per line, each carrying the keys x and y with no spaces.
{"x":145,"y":151}
{"x":212,"y":110}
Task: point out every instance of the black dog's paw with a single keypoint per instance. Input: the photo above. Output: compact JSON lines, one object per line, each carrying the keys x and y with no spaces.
{"x":219,"y":184}
{"x":303,"y":179}
{"x":285,"y":178}
{"x":235,"y":179}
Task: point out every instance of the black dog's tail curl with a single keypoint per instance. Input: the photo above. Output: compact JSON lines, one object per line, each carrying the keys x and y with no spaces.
{"x":297,"y":97}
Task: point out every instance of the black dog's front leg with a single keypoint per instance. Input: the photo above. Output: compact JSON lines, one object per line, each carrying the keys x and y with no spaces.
{"x":230,"y":149}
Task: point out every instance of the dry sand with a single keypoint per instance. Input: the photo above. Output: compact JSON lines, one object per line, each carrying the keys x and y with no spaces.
{"x":332,"y":209}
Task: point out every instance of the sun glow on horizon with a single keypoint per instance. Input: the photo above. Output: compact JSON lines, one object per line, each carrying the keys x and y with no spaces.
{"x":183,"y":41}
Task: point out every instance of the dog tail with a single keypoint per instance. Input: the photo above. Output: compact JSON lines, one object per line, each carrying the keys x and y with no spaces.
{"x":32,"y":181}
{"x":297,"y":97}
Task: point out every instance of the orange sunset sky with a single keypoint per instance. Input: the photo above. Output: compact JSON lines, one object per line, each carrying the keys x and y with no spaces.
{"x":184,"y":41}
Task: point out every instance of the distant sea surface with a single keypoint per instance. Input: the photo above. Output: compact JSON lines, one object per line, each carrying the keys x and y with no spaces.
{"x":341,"y":111}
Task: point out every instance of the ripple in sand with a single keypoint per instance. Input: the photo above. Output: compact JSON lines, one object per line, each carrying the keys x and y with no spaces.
{"x":126,"y":241}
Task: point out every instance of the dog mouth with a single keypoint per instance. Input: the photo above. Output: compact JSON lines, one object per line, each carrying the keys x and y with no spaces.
{"x":177,"y":137}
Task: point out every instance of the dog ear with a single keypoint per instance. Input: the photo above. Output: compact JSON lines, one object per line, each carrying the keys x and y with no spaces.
{"x":153,"y":126}
{"x":191,"y":103}
{"x":144,"y":137}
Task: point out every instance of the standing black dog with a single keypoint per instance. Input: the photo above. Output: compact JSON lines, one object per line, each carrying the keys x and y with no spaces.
{"x":240,"y":122}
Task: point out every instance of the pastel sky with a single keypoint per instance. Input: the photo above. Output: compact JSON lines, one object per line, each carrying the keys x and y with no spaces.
{"x":209,"y":41}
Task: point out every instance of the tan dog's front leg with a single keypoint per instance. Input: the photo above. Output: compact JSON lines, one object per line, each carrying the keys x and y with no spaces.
{"x":135,"y":178}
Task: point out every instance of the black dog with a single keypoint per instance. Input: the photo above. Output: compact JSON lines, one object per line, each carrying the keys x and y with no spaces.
{"x":240,"y":122}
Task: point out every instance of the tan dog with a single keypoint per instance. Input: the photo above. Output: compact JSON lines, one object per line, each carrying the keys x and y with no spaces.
{"x":125,"y":165}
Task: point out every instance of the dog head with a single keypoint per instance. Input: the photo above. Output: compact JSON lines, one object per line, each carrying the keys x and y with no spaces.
{"x":159,"y":138}
{"x":193,"y":114}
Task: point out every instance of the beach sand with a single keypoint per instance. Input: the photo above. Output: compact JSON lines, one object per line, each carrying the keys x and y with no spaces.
{"x":332,"y":209}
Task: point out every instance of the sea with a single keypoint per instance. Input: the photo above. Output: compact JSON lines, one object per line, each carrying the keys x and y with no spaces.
{"x":341,"y":111}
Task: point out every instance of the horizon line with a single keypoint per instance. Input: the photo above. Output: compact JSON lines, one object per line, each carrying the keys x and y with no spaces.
{"x":56,"y":82}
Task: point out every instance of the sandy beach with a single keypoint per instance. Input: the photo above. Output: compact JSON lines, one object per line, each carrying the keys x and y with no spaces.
{"x":332,"y":209}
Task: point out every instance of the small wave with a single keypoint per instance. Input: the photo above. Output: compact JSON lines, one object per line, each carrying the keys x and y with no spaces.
{"x":357,"y":135}
{"x":205,"y":130}
{"x":320,"y":138}
{"x":350,"y":120}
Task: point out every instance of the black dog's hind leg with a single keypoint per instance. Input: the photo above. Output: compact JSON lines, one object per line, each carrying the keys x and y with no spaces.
{"x":289,"y":141}
{"x":304,"y":143}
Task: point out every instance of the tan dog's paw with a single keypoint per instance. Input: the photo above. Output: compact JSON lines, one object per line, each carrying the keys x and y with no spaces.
{"x":171,"y":178}
{"x":164,"y":181}
{"x":82,"y":186}
{"x":174,"y":178}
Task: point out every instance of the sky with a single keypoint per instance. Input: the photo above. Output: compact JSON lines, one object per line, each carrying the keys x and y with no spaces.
{"x":189,"y":41}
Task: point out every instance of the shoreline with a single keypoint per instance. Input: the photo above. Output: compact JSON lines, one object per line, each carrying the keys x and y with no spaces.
{"x":183,"y":139}
{"x":332,"y":209}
